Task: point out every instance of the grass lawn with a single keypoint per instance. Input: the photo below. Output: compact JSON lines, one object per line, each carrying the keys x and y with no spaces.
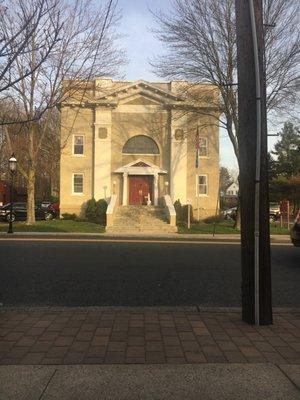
{"x":226,"y":227}
{"x":57,"y":225}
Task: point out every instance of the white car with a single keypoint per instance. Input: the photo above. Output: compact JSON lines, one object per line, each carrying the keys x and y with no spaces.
{"x":230,"y":213}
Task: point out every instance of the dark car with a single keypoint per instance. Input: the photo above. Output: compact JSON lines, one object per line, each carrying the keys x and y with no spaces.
{"x":45,"y":205}
{"x":52,"y":211}
{"x":19,"y":212}
{"x":295,"y":231}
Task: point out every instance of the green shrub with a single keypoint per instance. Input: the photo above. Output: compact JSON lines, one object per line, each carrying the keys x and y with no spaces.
{"x":182,"y":213}
{"x":96,"y":211}
{"x":101,"y":211}
{"x":68,"y":216}
{"x":91,"y":210}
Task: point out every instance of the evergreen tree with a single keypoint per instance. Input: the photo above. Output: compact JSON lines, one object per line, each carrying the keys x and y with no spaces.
{"x":287,"y":152}
{"x":225,"y":179}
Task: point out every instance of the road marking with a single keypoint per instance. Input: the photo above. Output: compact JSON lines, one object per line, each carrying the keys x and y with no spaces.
{"x":211,"y":242}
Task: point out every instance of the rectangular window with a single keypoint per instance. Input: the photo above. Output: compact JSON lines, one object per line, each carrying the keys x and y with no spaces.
{"x":78,"y":183}
{"x":78,"y":144}
{"x":202,"y":185}
{"x":203,"y":147}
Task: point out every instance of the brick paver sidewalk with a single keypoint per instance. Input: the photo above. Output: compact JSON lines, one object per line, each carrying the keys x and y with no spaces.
{"x":111,"y":335}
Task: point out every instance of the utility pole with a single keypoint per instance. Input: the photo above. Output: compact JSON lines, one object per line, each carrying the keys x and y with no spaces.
{"x":252,"y":140}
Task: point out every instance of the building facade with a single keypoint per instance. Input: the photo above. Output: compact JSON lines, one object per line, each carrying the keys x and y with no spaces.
{"x":139,"y":140}
{"x":233,"y":189}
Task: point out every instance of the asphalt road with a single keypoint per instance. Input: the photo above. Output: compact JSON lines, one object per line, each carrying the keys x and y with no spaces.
{"x":136,"y":274}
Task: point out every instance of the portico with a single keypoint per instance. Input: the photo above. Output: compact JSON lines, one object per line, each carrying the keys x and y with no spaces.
{"x":140,"y":182}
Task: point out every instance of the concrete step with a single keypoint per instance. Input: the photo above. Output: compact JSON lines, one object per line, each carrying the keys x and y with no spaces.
{"x":137,"y":219}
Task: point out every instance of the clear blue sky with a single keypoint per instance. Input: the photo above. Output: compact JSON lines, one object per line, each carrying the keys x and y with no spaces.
{"x":141,"y":45}
{"x":139,"y":42}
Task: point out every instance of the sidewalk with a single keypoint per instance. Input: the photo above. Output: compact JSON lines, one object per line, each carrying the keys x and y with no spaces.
{"x":141,"y":236}
{"x":150,"y":382}
{"x":230,"y":358}
{"x":95,"y":335}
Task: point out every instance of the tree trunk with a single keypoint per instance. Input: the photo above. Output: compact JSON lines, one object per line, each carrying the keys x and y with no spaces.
{"x":237,"y":224}
{"x":31,"y":197}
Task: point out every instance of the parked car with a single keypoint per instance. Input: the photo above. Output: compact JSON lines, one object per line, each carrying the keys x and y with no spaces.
{"x":230,"y":213}
{"x":295,"y":231}
{"x":45,"y":205}
{"x":20,"y":212}
{"x":274,"y":212}
{"x":52,"y":211}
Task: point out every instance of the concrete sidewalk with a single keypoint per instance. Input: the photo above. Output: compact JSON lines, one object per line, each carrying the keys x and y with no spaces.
{"x":151,"y":382}
{"x":285,"y":239}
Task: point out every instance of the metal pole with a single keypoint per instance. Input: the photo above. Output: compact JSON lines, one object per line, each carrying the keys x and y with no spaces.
{"x":247,"y":134}
{"x":189,"y":216}
{"x":288,"y":215}
{"x":258,"y":158}
{"x":10,"y":223}
{"x":198,"y":211}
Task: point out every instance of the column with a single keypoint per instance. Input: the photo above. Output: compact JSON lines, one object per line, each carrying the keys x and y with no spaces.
{"x":102,"y":165}
{"x":156,"y":189}
{"x":125,"y":189}
{"x":178,"y":167}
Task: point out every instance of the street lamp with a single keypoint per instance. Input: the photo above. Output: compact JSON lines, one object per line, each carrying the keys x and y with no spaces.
{"x":105,"y":189}
{"x":167,"y":187}
{"x":12,"y":164}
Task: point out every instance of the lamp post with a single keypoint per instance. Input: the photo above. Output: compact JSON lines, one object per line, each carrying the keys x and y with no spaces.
{"x":167,"y":187}
{"x":105,"y":189}
{"x":12,"y":164}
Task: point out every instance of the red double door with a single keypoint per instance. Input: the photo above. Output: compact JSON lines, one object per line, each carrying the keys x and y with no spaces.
{"x":139,"y":187}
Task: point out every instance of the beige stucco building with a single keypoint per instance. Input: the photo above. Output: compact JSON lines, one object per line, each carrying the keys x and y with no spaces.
{"x":138,"y":140}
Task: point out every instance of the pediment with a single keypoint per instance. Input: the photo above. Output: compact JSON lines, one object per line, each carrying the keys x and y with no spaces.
{"x":140,"y":100}
{"x":140,"y":164}
{"x":140,"y":167}
{"x":140,"y":93}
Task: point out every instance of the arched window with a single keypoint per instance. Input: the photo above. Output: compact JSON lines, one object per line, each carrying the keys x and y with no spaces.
{"x":140,"y":145}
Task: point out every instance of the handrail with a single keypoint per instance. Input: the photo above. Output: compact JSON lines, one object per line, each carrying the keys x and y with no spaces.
{"x":111,"y":208}
{"x":170,"y":210}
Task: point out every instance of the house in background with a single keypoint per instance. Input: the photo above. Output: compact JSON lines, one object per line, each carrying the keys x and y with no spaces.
{"x":137,"y":140}
{"x":232,"y":190}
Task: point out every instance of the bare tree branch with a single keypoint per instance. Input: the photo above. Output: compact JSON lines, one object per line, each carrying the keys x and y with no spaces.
{"x":200,"y":41}
{"x":86,"y":48}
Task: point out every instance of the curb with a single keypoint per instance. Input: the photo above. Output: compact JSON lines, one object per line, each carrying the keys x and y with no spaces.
{"x":186,"y":309}
{"x":141,"y":236}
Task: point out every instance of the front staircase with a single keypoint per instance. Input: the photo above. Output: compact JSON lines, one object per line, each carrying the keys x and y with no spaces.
{"x":140,"y":219}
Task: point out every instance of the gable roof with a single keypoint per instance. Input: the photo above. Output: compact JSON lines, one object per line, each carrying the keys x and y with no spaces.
{"x":231,"y":184}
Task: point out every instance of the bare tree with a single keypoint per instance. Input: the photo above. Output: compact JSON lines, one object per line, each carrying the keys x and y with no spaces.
{"x":19,"y":21}
{"x":86,"y":48}
{"x":200,"y":39}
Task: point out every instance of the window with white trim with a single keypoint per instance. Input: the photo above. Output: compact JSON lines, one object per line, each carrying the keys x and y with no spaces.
{"x":202,"y":182}
{"x":203,"y":146}
{"x":78,"y":183}
{"x":78,"y":145}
